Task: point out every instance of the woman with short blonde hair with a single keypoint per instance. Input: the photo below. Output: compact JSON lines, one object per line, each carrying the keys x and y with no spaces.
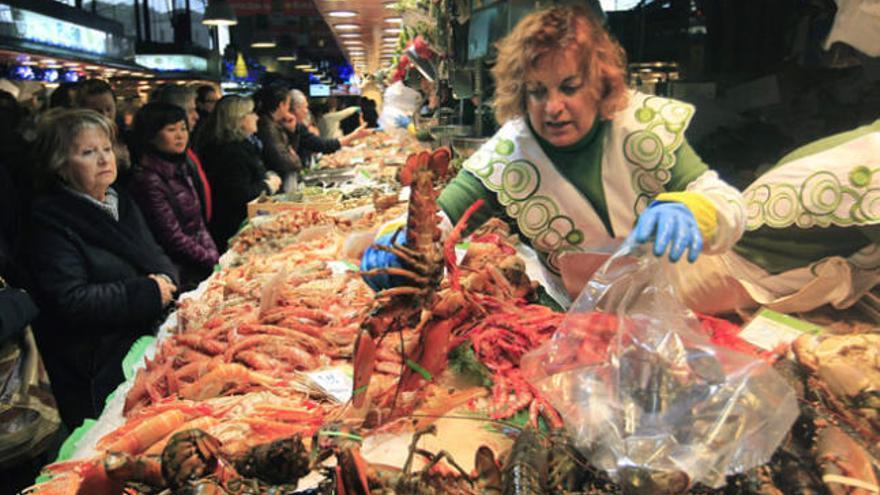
{"x":224,"y":125}
{"x":58,"y":129}
{"x":230,"y":154}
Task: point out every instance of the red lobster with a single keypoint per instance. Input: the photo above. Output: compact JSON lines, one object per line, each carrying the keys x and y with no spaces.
{"x":410,"y":305}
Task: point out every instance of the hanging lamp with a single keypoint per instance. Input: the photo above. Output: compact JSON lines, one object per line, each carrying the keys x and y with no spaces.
{"x":219,"y":13}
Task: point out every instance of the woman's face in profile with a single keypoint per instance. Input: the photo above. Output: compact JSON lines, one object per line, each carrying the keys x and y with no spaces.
{"x":249,"y":123}
{"x":558,"y":104}
{"x":91,"y":163}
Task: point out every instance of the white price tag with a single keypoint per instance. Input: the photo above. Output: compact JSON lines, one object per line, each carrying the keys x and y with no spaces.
{"x":336,"y":382}
{"x":770,"y":329}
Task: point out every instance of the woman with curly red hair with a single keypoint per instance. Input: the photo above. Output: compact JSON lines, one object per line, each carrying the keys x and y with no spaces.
{"x":582,"y":160}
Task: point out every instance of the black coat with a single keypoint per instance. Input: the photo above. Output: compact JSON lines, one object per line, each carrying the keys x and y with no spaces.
{"x":237,"y":176}
{"x":305,"y":143}
{"x":276,"y":148}
{"x":90,"y":281}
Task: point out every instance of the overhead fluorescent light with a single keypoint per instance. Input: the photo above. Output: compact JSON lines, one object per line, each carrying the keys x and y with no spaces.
{"x":342,"y":13}
{"x":302,"y":66}
{"x":285,"y":58}
{"x":391,"y":5}
{"x":350,"y":35}
{"x":219,"y":13}
{"x":310,"y":69}
{"x":347,"y":26}
{"x":391,"y":30}
{"x":394,"y":20}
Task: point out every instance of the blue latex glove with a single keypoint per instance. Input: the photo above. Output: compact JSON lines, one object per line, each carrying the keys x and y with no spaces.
{"x":376,"y":258}
{"x":672,"y":226}
{"x":402,"y":121}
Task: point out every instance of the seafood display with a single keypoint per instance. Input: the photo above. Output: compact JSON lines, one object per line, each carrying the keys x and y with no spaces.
{"x":228,"y":402}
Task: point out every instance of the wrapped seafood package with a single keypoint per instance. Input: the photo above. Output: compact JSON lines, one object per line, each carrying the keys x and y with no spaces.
{"x":645,"y":394}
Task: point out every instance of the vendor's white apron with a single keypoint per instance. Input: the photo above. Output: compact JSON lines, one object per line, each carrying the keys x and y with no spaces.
{"x":638,"y":155}
{"x":839,"y":186}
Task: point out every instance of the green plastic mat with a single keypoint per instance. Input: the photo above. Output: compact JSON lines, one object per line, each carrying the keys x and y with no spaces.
{"x":69,"y":446}
{"x":136,"y":355}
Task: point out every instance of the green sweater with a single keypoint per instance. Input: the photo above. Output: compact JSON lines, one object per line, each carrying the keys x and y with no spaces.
{"x":780,"y":250}
{"x":580,"y":164}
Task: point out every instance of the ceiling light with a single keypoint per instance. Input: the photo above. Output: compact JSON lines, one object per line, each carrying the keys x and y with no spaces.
{"x":391,"y":30}
{"x":91,"y":67}
{"x":263,"y":40}
{"x":394,"y":20}
{"x":350,"y":35}
{"x":310,"y":69}
{"x":219,"y":13}
{"x":342,"y":13}
{"x":29,"y":62}
{"x":302,"y":66}
{"x":53,"y":66}
{"x":71,"y":64}
{"x":285,"y":58}
{"x":347,"y":26}
{"x":391,"y":5}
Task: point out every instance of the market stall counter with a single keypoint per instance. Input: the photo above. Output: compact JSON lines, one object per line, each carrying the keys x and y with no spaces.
{"x":284,"y":371}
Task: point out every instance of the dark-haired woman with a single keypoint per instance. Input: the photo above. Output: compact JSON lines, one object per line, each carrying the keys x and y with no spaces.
{"x":165,"y":189}
{"x":273,"y":107}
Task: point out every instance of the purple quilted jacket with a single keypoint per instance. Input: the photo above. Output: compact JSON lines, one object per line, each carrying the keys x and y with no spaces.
{"x":164,"y":191}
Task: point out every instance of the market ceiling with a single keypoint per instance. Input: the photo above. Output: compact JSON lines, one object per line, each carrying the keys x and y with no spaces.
{"x":366,"y":29}
{"x":287,"y":34}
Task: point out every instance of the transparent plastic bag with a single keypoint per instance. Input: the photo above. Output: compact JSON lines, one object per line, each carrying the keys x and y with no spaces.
{"x":645,"y":395}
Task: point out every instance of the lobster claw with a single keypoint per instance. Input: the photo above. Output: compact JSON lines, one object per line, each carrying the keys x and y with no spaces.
{"x":351,"y":473}
{"x":440,"y":159}
{"x":406,"y":172}
{"x":430,"y":355}
{"x":364,"y":363}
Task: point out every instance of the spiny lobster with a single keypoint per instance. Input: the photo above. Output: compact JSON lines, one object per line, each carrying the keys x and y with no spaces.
{"x":410,"y":306}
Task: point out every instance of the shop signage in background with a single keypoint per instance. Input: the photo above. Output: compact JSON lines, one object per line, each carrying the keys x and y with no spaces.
{"x":319,"y":90}
{"x":30,"y":26}
{"x":173,"y":63}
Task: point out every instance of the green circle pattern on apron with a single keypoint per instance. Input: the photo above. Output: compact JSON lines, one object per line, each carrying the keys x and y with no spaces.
{"x":755,"y":199}
{"x":520,"y":179}
{"x":821,"y":194}
{"x":868,"y":206}
{"x":644,"y":149}
{"x":782,"y":206}
{"x":823,"y":198}
{"x":860,"y":176}
{"x":536,"y":214}
{"x":504,"y":147}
